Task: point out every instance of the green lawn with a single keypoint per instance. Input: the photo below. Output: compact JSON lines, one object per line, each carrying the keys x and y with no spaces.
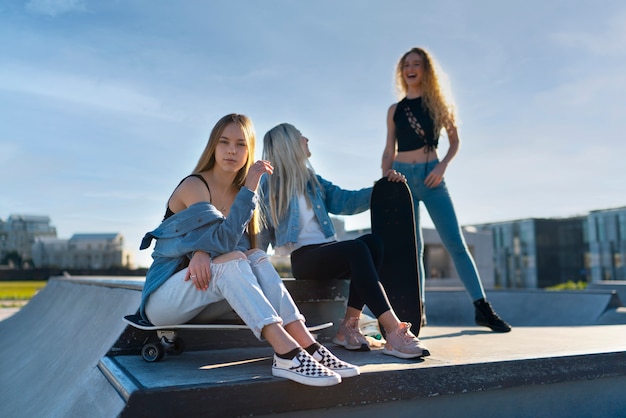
{"x":20,"y":290}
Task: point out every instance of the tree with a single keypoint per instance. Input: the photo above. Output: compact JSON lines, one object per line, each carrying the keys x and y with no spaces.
{"x":13,"y":259}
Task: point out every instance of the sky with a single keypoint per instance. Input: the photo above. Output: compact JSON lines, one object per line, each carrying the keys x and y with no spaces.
{"x":106,"y":105}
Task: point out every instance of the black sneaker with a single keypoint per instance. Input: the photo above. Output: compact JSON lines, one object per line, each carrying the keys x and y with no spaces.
{"x":486,"y":317}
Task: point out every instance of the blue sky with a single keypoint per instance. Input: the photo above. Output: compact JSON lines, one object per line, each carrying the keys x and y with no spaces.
{"x":106,"y":105}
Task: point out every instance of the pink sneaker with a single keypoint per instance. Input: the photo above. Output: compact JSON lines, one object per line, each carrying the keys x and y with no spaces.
{"x":403,"y":344}
{"x":349,"y":336}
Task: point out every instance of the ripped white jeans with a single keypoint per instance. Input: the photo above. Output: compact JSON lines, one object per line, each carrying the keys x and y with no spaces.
{"x":252,"y":287}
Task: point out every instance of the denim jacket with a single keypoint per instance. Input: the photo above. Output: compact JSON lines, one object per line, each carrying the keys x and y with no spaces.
{"x":199,"y":227}
{"x":328,"y":199}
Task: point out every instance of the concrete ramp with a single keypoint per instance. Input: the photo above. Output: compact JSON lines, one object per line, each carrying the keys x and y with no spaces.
{"x":527,"y":308}
{"x":52,"y":347}
{"x":618,"y":286}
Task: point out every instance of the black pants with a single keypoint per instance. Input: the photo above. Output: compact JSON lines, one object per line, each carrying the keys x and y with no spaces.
{"x":359,"y":260}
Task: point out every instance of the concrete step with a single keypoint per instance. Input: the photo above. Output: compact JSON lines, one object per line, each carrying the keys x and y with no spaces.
{"x":238,"y":381}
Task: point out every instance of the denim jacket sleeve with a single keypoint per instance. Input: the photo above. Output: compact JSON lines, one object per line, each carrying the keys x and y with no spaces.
{"x":340,"y":201}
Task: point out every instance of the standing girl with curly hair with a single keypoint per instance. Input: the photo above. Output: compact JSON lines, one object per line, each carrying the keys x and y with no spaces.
{"x":414,"y":126}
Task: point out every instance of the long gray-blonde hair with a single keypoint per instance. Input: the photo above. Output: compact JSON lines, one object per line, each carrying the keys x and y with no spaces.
{"x":282,"y":146}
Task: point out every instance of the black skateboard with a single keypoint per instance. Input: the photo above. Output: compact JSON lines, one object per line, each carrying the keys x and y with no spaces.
{"x":169,"y":341}
{"x":393,"y":221}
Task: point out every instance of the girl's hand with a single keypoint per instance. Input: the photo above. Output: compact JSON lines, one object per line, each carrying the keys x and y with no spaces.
{"x":199,"y":271}
{"x":393,"y":175}
{"x":435,"y":177}
{"x":255,"y":172}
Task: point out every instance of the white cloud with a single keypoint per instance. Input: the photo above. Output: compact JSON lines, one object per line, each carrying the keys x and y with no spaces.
{"x":589,"y":93}
{"x":609,"y":40}
{"x":54,"y":8}
{"x":110,"y":95}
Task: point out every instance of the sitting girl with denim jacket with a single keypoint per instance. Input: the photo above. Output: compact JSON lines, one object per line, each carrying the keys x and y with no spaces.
{"x":296,"y":204}
{"x":203,"y":262}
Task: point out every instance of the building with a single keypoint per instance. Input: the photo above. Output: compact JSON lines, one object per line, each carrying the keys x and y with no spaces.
{"x":82,"y":251}
{"x":440,"y":270}
{"x":538,"y":253}
{"x":18,"y":234}
{"x":606,"y":233}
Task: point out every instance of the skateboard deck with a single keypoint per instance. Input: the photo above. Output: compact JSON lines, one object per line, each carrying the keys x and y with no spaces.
{"x":393,"y":220}
{"x":169,"y":341}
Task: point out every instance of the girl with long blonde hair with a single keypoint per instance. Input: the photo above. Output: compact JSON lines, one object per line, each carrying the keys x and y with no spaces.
{"x":296,"y":203}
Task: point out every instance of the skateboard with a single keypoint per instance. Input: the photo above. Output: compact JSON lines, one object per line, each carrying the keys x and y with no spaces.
{"x":393,"y":220}
{"x":169,"y":341}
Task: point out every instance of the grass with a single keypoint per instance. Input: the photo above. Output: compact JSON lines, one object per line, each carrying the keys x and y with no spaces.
{"x":569,"y":285}
{"x":20,"y":290}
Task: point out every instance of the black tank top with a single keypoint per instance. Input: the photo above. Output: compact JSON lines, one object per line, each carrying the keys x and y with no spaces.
{"x":168,"y":211}
{"x":414,"y":126}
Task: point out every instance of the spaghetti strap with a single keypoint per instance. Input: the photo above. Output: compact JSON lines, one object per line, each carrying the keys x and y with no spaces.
{"x":168,"y":211}
{"x":199,"y":176}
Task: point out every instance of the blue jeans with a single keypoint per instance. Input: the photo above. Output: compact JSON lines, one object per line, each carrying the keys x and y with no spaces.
{"x":441,"y":210}
{"x":251,"y":287}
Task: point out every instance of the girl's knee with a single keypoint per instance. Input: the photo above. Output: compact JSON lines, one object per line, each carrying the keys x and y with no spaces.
{"x":234,"y":255}
{"x":374,"y":243}
{"x":256,"y":256}
{"x":360,"y":249}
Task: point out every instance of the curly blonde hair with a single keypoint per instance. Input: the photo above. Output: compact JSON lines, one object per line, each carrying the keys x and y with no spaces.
{"x":436,"y":96}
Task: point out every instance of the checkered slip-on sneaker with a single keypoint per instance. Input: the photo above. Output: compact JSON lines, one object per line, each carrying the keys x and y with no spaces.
{"x":328,"y":360}
{"x":303,"y":368}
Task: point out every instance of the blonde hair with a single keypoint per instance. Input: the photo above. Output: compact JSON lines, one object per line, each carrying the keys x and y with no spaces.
{"x":282,"y":146}
{"x":436,"y":94}
{"x":207,"y":159}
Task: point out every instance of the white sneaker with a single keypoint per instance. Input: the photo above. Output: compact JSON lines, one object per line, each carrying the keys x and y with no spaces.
{"x":328,"y":360}
{"x":304,"y":369}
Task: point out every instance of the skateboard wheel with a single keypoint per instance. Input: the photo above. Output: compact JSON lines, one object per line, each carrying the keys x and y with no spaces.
{"x":152,"y":352}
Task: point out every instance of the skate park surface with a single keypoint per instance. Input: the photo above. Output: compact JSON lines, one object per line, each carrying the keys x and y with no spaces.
{"x":67,"y":353}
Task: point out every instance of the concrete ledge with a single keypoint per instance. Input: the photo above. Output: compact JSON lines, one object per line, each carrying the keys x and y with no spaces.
{"x":464,"y":361}
{"x":369,"y":388}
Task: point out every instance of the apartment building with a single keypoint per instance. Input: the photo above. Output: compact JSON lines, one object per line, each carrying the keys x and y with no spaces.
{"x":18,"y":234}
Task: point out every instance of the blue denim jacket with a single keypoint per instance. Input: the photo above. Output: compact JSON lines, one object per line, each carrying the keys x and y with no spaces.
{"x":328,"y":199}
{"x":199,"y":227}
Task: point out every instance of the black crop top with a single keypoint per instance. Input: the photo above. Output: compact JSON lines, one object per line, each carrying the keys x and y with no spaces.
{"x":168,"y":211}
{"x":414,"y":126}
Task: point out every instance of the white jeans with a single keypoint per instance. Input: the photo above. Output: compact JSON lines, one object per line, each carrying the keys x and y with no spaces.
{"x":251,"y":287}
